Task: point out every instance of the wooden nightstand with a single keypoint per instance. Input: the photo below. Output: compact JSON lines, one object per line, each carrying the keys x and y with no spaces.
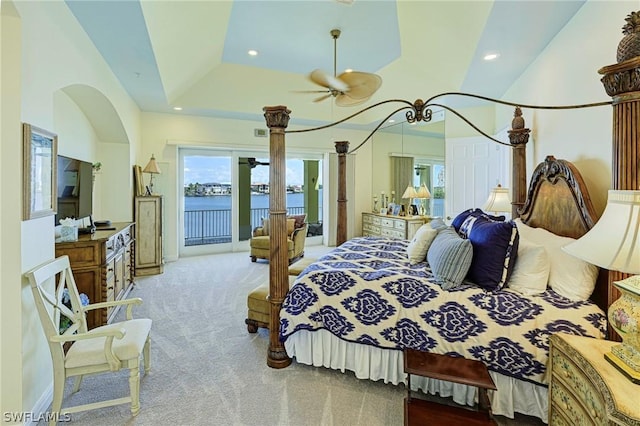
{"x":585,"y":389}
{"x":452,"y":369}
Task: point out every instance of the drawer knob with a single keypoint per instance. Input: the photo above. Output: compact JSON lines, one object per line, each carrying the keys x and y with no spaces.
{"x":109,"y":288}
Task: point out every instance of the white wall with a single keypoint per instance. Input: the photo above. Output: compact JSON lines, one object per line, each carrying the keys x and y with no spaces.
{"x":36,"y":66}
{"x":567,"y":73}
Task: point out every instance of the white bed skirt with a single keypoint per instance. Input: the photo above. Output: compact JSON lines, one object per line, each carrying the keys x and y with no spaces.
{"x":321,"y":348}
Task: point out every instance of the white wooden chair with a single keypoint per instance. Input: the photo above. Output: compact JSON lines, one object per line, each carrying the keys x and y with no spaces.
{"x":108,"y":348}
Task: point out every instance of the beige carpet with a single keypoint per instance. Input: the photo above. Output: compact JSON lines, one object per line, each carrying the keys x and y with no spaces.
{"x":206,"y":368}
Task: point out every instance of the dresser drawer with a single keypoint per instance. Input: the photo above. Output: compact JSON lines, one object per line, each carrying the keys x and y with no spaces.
{"x":391,"y":233}
{"x":564,"y":401}
{"x":387,"y":222}
{"x":376,"y":220}
{"x":400,"y":224}
{"x":571,"y":377}
{"x":81,"y":255}
{"x":366,"y":218}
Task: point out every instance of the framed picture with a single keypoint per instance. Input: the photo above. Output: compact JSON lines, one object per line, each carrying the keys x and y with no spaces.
{"x":396,"y":209}
{"x":40,"y":158}
{"x":383,"y":210}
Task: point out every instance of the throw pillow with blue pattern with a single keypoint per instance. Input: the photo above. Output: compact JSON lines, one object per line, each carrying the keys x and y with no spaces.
{"x":495,"y":249}
{"x":459,"y":219}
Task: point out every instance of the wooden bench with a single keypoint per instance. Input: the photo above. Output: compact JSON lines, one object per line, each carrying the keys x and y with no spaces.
{"x":451,"y":369}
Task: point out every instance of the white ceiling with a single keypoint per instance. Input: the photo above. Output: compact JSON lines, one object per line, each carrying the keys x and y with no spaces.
{"x":193,"y":54}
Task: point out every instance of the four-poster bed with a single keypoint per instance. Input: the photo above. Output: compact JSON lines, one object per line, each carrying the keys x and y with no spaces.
{"x":538,"y":206}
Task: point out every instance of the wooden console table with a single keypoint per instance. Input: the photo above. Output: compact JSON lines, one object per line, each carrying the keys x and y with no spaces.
{"x":102,"y":265}
{"x":451,"y":369}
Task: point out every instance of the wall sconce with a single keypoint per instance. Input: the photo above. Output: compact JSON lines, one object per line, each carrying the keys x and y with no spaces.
{"x":498,"y":201}
{"x":153,"y":169}
{"x":614,"y":243}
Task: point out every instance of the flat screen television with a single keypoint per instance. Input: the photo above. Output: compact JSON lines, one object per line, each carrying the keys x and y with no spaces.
{"x":75,"y":188}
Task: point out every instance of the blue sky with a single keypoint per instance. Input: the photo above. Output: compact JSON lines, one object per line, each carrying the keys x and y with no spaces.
{"x":207,"y":169}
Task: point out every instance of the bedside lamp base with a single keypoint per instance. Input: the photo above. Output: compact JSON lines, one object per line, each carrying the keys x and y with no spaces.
{"x":621,"y":365}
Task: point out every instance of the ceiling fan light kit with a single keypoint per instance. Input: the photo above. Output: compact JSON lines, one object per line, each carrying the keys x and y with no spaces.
{"x":349,"y":88}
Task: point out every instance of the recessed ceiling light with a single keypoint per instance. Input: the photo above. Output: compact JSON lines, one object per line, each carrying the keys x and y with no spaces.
{"x":392,"y":121}
{"x":177,"y":108}
{"x":253,"y":52}
{"x":491,"y":56}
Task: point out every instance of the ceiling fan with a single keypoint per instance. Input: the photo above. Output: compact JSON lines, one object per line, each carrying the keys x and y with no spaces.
{"x":349,"y":88}
{"x":252,"y":163}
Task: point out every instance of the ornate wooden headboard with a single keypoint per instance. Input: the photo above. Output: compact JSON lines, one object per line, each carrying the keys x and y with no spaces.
{"x":558,"y":201}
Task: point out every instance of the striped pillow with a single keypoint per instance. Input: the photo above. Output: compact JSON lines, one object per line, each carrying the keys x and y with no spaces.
{"x":449,"y":257}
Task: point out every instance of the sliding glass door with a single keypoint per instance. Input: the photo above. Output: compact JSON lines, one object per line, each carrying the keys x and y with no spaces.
{"x":225,"y":196}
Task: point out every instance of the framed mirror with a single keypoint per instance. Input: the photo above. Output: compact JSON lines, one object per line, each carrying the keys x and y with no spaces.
{"x":40,"y":153}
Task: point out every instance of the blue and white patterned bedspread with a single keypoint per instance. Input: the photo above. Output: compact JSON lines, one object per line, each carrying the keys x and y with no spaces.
{"x":366,"y":291}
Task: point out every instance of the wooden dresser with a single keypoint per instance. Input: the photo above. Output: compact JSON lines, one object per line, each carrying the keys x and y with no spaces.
{"x":585,"y":389}
{"x":404,"y":227}
{"x":102,"y":265}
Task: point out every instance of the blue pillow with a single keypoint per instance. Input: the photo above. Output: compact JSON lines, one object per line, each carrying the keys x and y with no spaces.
{"x":495,"y":248}
{"x":459,"y":219}
{"x":449,"y":258}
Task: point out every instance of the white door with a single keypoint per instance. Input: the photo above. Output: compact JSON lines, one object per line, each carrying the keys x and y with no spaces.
{"x":473,"y":166}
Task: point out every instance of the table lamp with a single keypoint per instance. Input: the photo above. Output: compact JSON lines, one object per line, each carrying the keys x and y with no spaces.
{"x":498,"y":201}
{"x":614,"y":243}
{"x":153,"y":169}
{"x":410,"y":193}
{"x":423,"y":194}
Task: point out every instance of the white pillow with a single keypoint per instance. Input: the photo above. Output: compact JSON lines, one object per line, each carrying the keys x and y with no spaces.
{"x":569,"y":276}
{"x":419,"y":245}
{"x":531,"y":271}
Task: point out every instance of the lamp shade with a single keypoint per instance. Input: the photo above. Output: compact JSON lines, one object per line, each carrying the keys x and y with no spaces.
{"x":614,"y":242}
{"x":498,"y":200}
{"x":152,"y":166}
{"x":410,"y":192}
{"x":423,"y":192}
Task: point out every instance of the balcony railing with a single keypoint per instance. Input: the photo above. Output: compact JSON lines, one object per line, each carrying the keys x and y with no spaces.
{"x":214,"y":226}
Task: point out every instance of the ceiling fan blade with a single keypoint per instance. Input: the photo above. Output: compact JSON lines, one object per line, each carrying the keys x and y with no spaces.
{"x":324,"y":79}
{"x":344,"y":100}
{"x":361,"y":84}
{"x":310,"y":91}
{"x":322,"y":98}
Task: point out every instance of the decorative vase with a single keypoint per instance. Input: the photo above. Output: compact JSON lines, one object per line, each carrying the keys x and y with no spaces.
{"x":624,"y":317}
{"x":629,"y":46}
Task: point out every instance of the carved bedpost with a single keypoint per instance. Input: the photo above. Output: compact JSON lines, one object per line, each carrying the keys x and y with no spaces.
{"x":518,"y":137}
{"x":277,"y":118}
{"x":622,"y":82}
{"x":342,"y":147}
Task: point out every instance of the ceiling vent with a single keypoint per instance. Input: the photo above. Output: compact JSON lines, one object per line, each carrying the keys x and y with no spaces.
{"x":260,"y":133}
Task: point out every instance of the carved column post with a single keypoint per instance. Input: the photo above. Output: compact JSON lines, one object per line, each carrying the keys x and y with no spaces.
{"x":342,"y":147}
{"x":518,"y":137}
{"x":622,"y":82}
{"x":277,"y":118}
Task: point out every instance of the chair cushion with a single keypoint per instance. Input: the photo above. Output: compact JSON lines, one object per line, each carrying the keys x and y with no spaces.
{"x":91,"y":352}
{"x":291,"y":226}
{"x":262,"y":243}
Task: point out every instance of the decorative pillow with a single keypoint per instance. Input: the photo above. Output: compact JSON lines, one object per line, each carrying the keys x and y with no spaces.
{"x":449,"y":257}
{"x":531,"y":270}
{"x":569,"y":276}
{"x":495,"y":249}
{"x":291,"y":226}
{"x":459,"y":220}
{"x":437,"y":223}
{"x":265,"y":226}
{"x":299,"y":218}
{"x":419,"y":245}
